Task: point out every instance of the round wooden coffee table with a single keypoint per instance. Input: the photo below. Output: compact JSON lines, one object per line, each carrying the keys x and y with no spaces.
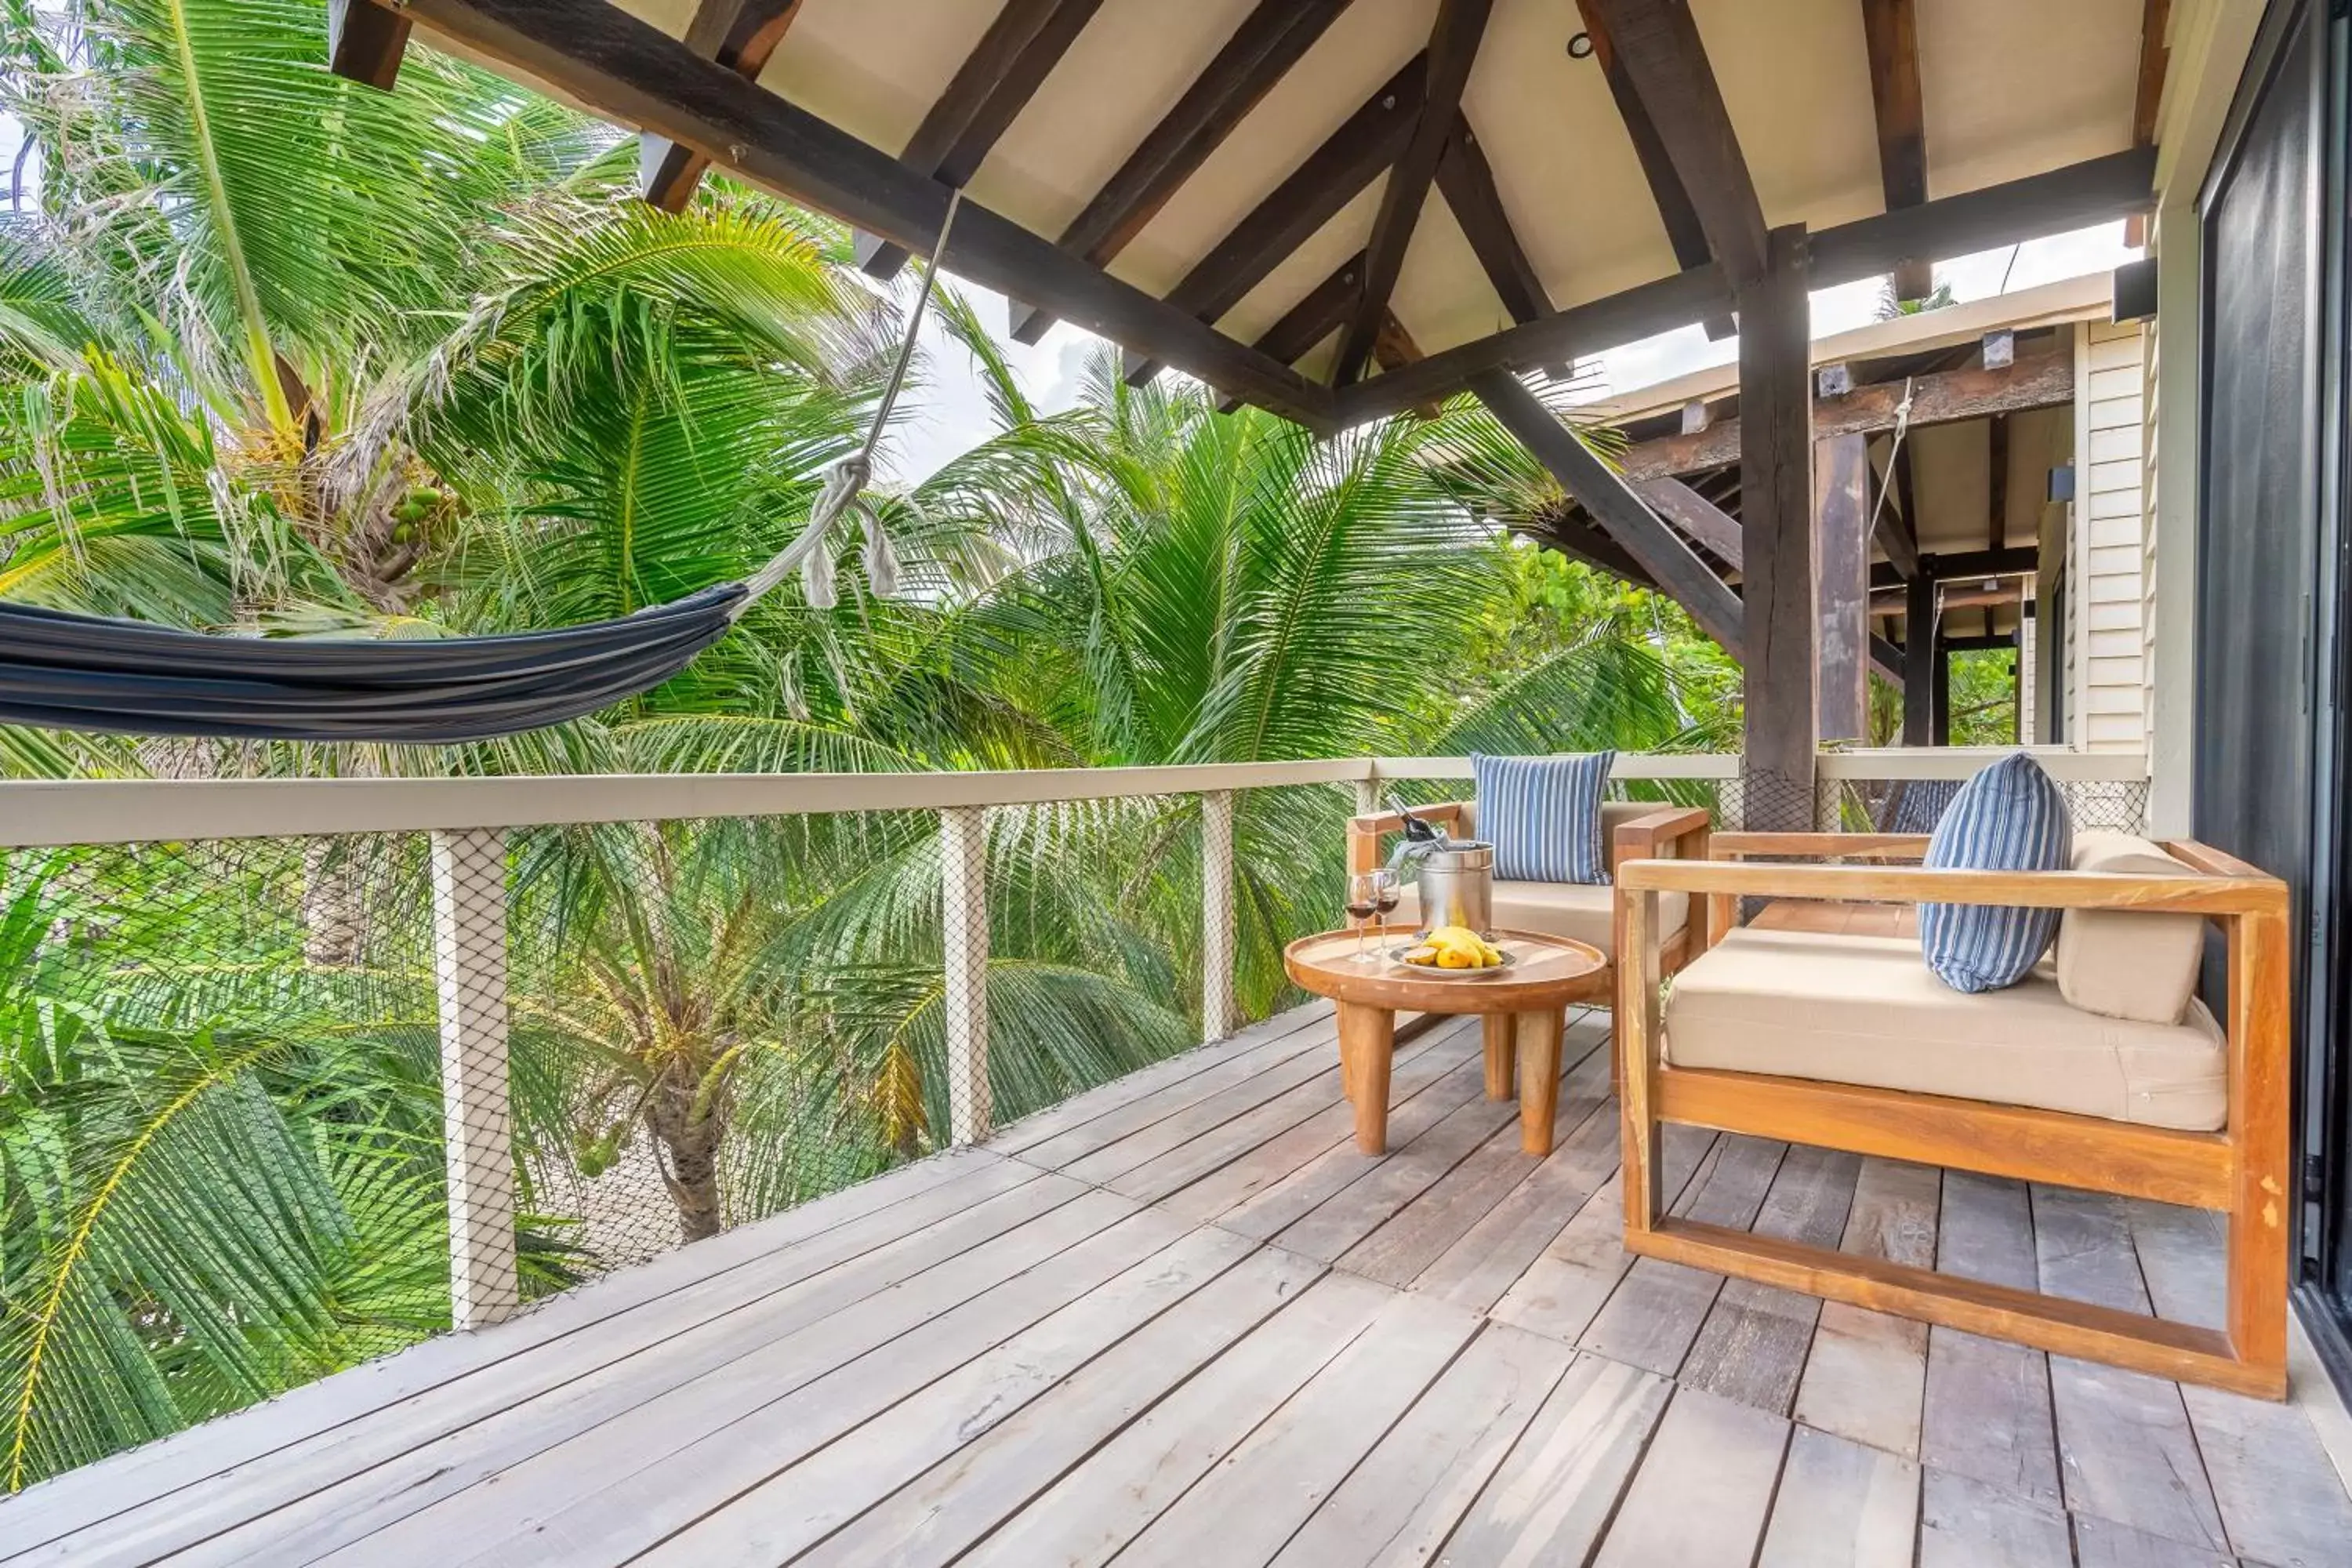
{"x":1522,"y":1006}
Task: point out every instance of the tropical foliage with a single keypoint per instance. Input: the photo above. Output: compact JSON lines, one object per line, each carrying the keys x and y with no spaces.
{"x":286,"y":356}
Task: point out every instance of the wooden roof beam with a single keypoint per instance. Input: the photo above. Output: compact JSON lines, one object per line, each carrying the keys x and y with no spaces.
{"x":626,"y":69}
{"x":1270,"y":40}
{"x":1664,"y":555}
{"x":2095,"y":191}
{"x":1891,"y":31}
{"x":739,"y":34}
{"x":365,"y":42}
{"x":2147,"y":99}
{"x":1453,"y":50}
{"x":1676,"y":212}
{"x":1658,"y":44}
{"x":987,"y":93}
{"x":1350,"y":158}
{"x":2038,"y":381}
{"x":1466,"y":181}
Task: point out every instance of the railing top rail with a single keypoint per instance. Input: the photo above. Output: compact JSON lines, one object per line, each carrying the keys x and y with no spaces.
{"x":1628,"y":765}
{"x":42,"y":813}
{"x":125,"y":811}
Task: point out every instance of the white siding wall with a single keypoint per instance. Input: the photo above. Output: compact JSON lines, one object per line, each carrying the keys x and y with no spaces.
{"x":2107,"y":554}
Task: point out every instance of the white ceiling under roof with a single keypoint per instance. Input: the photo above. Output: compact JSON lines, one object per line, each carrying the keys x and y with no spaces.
{"x":2009,"y":89}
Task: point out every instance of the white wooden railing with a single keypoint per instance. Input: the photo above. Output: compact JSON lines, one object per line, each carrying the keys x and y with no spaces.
{"x":469,"y":821}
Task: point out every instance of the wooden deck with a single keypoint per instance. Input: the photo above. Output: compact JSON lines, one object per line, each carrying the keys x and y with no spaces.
{"x":1181,"y":1320}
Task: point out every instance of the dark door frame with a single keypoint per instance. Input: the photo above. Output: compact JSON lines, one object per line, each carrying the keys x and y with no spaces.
{"x":2323,"y":1079}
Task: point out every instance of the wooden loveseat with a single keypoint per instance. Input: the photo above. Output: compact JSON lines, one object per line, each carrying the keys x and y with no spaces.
{"x":1810,"y":1034}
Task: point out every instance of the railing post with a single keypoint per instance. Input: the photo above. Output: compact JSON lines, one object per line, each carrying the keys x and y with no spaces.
{"x":963,"y":892}
{"x":470,"y":963}
{"x":1216,"y":914}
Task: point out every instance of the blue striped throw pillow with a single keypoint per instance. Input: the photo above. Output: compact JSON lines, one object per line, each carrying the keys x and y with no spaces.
{"x":2009,"y":817}
{"x":1542,"y":814}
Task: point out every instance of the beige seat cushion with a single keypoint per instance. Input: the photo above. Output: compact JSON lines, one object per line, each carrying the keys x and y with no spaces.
{"x":1571,"y":909}
{"x":2129,"y":964}
{"x":1867,"y":1010}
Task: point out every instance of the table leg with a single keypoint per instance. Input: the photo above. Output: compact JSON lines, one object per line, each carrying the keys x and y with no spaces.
{"x":1539,"y":1078}
{"x":1367,"y":1040}
{"x":1502,"y":1053}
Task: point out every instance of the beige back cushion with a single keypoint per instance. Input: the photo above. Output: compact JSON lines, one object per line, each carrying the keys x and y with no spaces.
{"x":2122,"y":964}
{"x":1612,"y":814}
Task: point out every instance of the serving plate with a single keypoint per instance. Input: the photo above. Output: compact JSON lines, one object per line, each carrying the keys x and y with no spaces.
{"x":1397,"y":956}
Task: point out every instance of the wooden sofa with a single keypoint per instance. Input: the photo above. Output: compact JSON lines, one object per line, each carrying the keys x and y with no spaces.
{"x":2113,"y":1138}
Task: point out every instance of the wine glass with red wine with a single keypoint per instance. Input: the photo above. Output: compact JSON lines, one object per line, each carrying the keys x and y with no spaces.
{"x":1363,"y":903}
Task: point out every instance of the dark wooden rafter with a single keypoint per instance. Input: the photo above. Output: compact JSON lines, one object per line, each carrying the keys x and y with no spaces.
{"x":2096,"y":191}
{"x":1675,"y":212}
{"x":741,"y":35}
{"x":1891,"y":31}
{"x":1453,"y":50}
{"x":1697,"y":516}
{"x":365,"y":42}
{"x":1574,"y":537}
{"x":1466,"y":181}
{"x":1658,"y":44}
{"x":1270,"y":40}
{"x":1327,"y":307}
{"x":626,"y":69}
{"x":1997,"y":482}
{"x":1332,"y":176}
{"x":997,"y":79}
{"x":1961,"y":565}
{"x":2042,"y":380}
{"x":1893,"y":527}
{"x":1663,"y":554}
{"x":2147,"y":101}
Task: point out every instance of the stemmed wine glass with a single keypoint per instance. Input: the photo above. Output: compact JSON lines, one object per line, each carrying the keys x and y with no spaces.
{"x":1369,"y":893}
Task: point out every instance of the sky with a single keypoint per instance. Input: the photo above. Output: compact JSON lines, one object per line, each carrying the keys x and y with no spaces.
{"x":949,"y":414}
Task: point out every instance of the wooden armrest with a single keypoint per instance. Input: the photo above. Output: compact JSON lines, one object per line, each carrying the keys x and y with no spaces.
{"x":1671,"y":831}
{"x":1821,"y":846}
{"x":2207,"y":895}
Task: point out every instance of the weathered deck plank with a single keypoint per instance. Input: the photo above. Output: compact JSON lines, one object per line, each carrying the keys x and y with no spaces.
{"x":1867,"y":1376}
{"x":987,"y":1359}
{"x":1987,"y":1413}
{"x":1842,"y":1505}
{"x":1400,"y":1505}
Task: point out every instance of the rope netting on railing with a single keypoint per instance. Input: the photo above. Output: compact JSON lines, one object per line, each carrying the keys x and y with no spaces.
{"x":274,"y":1106}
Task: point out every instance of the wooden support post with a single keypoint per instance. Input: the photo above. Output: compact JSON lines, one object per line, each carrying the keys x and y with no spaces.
{"x":469,"y":965}
{"x":1941,"y":695}
{"x":963,"y":928}
{"x":1842,"y":539}
{"x":1216,"y":915}
{"x":1776,"y":490}
{"x":1920,"y":660}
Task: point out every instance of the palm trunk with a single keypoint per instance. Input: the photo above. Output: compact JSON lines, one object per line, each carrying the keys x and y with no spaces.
{"x":690,"y":1145}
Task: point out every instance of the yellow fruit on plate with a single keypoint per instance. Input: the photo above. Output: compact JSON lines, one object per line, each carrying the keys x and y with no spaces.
{"x":1422,"y":955}
{"x":1455,"y":958}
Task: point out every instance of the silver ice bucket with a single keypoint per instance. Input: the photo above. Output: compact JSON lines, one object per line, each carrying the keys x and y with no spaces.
{"x":1457,"y":886}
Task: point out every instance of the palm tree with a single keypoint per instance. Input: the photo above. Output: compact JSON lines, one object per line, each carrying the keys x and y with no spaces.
{"x":292,"y":356}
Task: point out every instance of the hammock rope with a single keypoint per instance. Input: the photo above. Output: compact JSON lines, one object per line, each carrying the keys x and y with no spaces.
{"x":60,"y":670}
